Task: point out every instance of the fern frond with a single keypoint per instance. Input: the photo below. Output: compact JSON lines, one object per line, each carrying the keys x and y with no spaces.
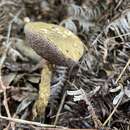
{"x":120,"y":26}
{"x":57,"y":86}
{"x":121,"y":5}
{"x":69,"y":24}
{"x":78,"y":26}
{"x":87,"y":10}
{"x":88,"y":73}
{"x":3,"y":19}
{"x":8,"y":10}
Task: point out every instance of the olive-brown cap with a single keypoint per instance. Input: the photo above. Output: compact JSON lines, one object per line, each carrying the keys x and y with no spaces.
{"x":56,"y":44}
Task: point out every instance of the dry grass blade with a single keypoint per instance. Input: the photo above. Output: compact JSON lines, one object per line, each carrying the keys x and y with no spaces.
{"x":111,"y":114}
{"x":60,"y":108}
{"x":122,"y":72}
{"x":27,"y":122}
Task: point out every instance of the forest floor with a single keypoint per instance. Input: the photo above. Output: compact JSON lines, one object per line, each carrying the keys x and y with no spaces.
{"x":95,"y":94}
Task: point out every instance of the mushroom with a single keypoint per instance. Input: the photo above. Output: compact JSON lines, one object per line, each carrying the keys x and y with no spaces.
{"x":58,"y":46}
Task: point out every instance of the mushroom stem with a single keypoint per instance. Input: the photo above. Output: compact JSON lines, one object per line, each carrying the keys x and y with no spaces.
{"x":44,"y":91}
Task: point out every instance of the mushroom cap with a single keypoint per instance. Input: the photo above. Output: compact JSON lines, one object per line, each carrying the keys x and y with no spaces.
{"x":54,"y":43}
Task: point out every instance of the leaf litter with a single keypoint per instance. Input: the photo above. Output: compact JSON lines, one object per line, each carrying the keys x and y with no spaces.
{"x":98,"y":88}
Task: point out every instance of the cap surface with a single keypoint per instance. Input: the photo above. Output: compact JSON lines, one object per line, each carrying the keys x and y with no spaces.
{"x":54,"y":38}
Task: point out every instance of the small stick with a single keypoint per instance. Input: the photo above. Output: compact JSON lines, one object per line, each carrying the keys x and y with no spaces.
{"x":28,"y":122}
{"x":45,"y":126}
{"x":60,"y":108}
{"x":122,"y":72}
{"x":115,"y":108}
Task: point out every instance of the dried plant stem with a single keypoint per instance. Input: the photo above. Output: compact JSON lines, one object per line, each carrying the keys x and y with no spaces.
{"x":60,"y":108}
{"x":122,"y":72}
{"x":29,"y":122}
{"x":45,"y":126}
{"x":93,"y":43}
{"x":115,"y":108}
{"x":118,"y":4}
{"x":11,"y":123}
{"x":3,"y":58}
{"x":92,"y":112}
{"x":5,"y":98}
{"x":126,"y":34}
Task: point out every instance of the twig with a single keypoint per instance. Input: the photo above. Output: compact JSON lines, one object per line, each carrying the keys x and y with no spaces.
{"x":96,"y":39}
{"x":60,"y":108}
{"x":45,"y":126}
{"x":115,"y":108}
{"x":91,"y":110}
{"x":126,"y":34}
{"x":122,"y":72}
{"x":29,"y":122}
